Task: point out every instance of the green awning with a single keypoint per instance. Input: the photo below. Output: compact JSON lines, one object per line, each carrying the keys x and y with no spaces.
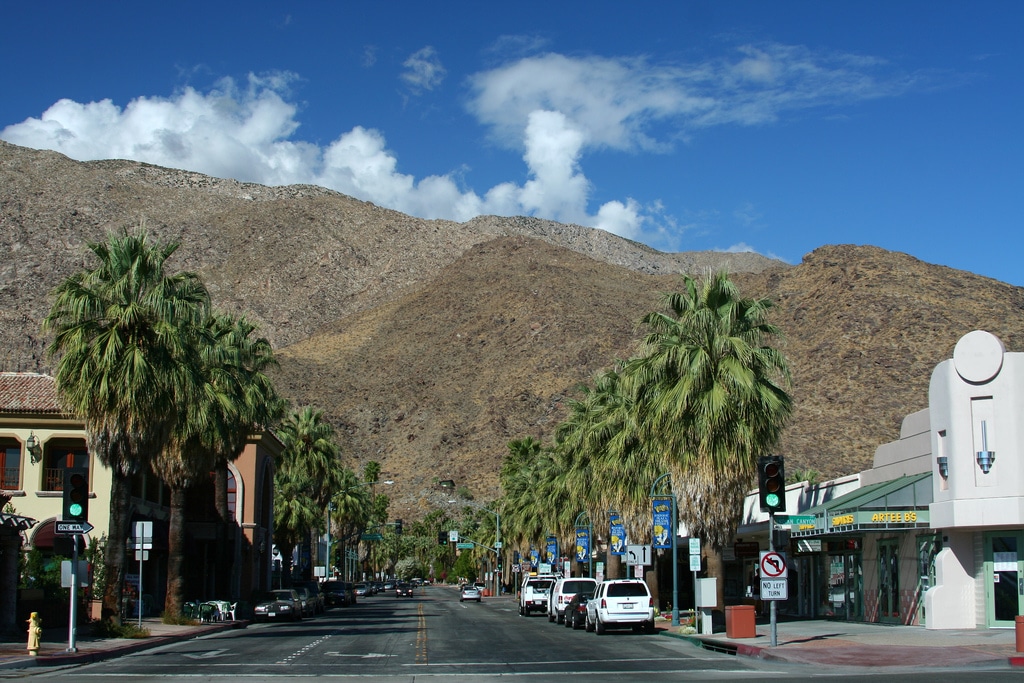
{"x":889,"y":505}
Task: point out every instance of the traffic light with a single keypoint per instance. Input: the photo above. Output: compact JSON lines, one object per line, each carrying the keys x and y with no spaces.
{"x":771,"y":483}
{"x":442,"y":537}
{"x":76,"y":494}
{"x":398,"y":527}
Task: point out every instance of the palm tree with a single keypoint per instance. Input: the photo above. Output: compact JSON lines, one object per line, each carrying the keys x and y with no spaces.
{"x":295,"y":512}
{"x":311,"y":453}
{"x":350,"y":510}
{"x":123,"y":332}
{"x":232,"y":398}
{"x":708,"y":387}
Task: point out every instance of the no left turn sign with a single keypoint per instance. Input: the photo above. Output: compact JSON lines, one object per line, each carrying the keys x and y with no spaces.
{"x":773,"y":565}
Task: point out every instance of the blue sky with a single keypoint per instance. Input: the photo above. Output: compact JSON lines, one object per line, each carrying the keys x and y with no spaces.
{"x":775,"y":127}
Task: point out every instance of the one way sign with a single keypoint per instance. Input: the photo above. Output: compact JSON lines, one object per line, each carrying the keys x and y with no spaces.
{"x":72,"y":528}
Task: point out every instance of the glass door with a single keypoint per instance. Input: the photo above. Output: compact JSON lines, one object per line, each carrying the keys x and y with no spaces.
{"x":928,"y":546}
{"x":1004,"y":577}
{"x":889,"y":581}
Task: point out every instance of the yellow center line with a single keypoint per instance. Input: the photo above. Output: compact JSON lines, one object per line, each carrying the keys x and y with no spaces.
{"x":421,"y":637}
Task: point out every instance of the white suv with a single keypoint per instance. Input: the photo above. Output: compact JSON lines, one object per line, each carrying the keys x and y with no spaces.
{"x":562,"y":592}
{"x":534,"y":596}
{"x":620,"y":603}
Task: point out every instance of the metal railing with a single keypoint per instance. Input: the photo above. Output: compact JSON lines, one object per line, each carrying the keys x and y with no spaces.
{"x":10,"y":478}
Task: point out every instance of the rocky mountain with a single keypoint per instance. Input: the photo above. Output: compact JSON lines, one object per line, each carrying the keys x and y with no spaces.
{"x":430,"y":344}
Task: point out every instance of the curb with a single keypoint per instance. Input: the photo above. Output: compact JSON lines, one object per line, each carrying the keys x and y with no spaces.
{"x":130,"y":646}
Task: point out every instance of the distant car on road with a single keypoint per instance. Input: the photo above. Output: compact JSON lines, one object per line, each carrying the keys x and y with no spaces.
{"x":574,"y":615}
{"x":339,"y":593}
{"x":404,"y":590}
{"x":278,"y":605}
{"x":316,"y":594}
{"x":562,"y":592}
{"x":534,"y":595}
{"x":470,"y":592}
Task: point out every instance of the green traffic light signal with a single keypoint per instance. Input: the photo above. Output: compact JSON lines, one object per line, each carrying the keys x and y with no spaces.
{"x":76,"y":494}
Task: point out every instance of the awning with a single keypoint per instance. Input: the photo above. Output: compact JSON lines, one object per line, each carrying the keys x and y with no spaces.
{"x":898,"y":504}
{"x":18,"y":522}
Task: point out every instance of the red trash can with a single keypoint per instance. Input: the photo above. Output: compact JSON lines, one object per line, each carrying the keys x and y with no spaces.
{"x":740,"y":621}
{"x":1018,"y":625}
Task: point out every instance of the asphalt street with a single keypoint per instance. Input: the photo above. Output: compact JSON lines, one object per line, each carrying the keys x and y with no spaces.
{"x":433,"y":636}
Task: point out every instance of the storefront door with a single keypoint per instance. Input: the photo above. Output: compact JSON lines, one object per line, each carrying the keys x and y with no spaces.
{"x":845,"y":581}
{"x":889,"y":580}
{"x":1004,"y":577}
{"x":928,"y":546}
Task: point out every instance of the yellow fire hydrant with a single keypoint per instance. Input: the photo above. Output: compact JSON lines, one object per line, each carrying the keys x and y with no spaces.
{"x":35,"y":630}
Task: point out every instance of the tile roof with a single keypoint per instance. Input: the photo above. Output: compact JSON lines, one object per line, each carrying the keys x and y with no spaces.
{"x":28,"y":392}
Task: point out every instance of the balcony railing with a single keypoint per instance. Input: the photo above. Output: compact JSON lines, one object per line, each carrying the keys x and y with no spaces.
{"x":53,"y":479}
{"x":10,"y":478}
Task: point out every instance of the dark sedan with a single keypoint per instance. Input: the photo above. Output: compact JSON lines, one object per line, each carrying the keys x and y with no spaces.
{"x":283,"y":604}
{"x":403,"y":590}
{"x":576,"y":610}
{"x":339,"y":593}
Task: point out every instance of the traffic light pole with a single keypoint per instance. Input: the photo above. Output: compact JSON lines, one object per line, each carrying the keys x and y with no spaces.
{"x":73,"y":610}
{"x":773,"y":608}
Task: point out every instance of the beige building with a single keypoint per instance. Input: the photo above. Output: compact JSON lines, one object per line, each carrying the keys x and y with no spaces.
{"x":38,"y":442}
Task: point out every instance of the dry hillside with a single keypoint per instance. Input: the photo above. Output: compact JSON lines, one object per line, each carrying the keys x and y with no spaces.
{"x":430,"y":344}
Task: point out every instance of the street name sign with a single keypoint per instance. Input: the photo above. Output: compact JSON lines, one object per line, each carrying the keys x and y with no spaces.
{"x":371,"y":537}
{"x":464,"y":546}
{"x":72,"y":528}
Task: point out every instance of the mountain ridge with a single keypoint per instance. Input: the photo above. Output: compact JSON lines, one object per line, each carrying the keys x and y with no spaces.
{"x":429,"y":344}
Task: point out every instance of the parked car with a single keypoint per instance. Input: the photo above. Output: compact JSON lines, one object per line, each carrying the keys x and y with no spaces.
{"x":620,"y":603}
{"x":404,"y":590}
{"x":306,"y":600}
{"x":575,"y":613}
{"x":316,"y":595}
{"x":339,"y":593}
{"x":282,"y":604}
{"x":534,"y":596}
{"x":562,"y":592}
{"x":470,"y":592}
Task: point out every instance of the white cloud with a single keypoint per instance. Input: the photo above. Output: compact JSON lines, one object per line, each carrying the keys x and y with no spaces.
{"x":553,"y":109}
{"x":423,"y":70}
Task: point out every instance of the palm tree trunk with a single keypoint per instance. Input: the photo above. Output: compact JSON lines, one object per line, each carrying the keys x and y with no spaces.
{"x":175,"y":554}
{"x":716,"y":568}
{"x":117,"y":533}
{"x":614,"y":566}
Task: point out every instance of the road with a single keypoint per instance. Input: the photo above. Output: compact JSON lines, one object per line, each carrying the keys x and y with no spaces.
{"x":433,"y":636}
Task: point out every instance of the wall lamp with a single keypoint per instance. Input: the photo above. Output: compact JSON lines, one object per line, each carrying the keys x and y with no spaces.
{"x":943,"y":463}
{"x":35,"y":450}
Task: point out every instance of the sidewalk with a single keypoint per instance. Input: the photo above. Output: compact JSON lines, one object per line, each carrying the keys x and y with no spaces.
{"x":836,"y":643}
{"x":53,"y":648}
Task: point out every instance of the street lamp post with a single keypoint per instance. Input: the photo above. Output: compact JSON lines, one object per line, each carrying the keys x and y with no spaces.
{"x":675,"y":566}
